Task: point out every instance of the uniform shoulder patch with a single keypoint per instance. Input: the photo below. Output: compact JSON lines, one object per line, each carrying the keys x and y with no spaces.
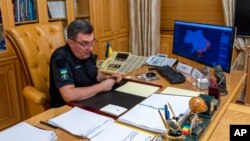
{"x":64,"y":74}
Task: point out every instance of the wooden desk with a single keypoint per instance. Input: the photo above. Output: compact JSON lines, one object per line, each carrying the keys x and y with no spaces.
{"x":234,"y":83}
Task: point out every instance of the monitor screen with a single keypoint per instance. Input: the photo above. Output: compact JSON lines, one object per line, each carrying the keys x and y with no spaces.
{"x":207,"y":44}
{"x":242,"y":17}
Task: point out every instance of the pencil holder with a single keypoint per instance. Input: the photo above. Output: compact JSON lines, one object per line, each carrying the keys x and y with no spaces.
{"x":174,"y":134}
{"x":174,"y":138}
{"x":169,"y":137}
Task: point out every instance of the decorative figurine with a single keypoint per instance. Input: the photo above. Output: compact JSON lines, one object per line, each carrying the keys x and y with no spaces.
{"x":197,"y":105}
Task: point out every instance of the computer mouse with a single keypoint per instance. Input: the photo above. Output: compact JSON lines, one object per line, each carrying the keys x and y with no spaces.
{"x":150,"y":74}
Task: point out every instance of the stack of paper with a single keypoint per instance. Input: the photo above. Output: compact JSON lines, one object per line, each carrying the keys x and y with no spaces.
{"x":145,"y":115}
{"x":25,"y":132}
{"x":81,"y":122}
{"x":96,"y":127}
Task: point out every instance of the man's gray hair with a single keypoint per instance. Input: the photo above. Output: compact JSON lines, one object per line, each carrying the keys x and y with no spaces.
{"x":79,"y":26}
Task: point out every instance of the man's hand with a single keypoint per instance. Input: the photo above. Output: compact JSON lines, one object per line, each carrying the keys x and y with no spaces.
{"x":117,"y":77}
{"x":107,"y":84}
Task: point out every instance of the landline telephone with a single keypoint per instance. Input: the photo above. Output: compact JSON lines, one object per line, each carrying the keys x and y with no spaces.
{"x":160,"y":60}
{"x":121,"y":62}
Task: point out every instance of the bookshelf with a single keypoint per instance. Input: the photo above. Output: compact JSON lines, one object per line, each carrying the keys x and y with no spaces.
{"x":57,"y":10}
{"x":24,"y":11}
{"x":81,"y":9}
{"x":67,"y":11}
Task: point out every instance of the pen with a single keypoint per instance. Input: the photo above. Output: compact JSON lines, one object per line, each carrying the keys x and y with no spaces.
{"x":164,"y":122}
{"x":221,"y":80}
{"x":150,"y":106}
{"x":171,"y":110}
{"x":167,"y":114}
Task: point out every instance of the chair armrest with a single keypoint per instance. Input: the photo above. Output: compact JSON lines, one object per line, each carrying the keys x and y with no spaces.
{"x":34,"y":95}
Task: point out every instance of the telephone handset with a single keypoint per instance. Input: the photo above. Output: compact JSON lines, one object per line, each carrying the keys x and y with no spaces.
{"x":160,"y":60}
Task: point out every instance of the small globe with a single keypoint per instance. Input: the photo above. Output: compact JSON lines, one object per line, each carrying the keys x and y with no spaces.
{"x":197,"y":105}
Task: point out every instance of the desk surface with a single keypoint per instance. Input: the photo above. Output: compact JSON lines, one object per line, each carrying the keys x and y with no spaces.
{"x":234,"y":82}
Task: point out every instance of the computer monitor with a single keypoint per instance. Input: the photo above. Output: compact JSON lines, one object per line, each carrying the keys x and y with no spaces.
{"x":207,"y":44}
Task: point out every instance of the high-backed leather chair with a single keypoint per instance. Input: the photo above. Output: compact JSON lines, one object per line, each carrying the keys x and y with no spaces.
{"x":34,"y":44}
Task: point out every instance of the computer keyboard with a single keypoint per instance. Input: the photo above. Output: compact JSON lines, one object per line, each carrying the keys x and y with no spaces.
{"x":171,"y":75}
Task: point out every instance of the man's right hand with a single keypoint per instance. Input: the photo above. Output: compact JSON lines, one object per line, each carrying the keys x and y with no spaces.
{"x":107,"y":84}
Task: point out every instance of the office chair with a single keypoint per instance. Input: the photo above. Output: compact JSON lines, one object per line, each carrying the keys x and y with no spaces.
{"x":33,"y":44}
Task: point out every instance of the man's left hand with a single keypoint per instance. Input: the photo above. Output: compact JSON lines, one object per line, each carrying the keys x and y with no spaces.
{"x":117,"y":77}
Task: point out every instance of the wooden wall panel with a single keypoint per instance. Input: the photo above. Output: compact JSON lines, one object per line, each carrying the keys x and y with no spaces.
{"x":204,"y":11}
{"x":122,"y":16}
{"x":9,"y":104}
{"x":123,"y":43}
{"x":106,"y":14}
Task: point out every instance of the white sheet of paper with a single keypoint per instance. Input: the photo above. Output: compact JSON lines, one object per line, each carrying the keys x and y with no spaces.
{"x":116,"y":132}
{"x":113,"y":109}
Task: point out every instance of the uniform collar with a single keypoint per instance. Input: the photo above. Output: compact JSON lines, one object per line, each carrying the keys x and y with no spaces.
{"x":74,"y":58}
